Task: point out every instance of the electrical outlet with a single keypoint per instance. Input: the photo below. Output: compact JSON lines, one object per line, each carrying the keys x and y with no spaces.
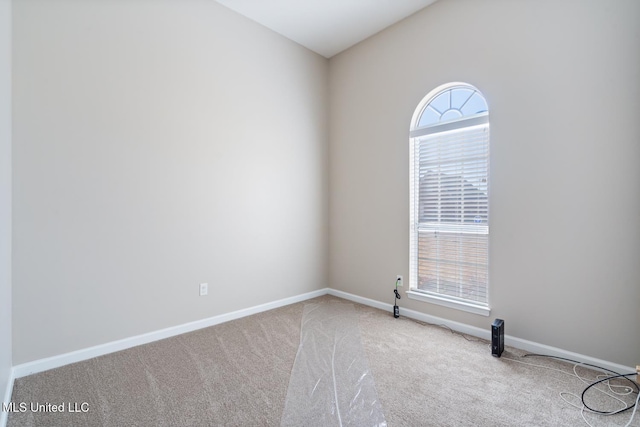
{"x":204,"y":289}
{"x":399,"y":280}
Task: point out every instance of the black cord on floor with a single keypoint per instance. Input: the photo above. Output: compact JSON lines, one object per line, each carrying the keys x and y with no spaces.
{"x":570,"y":360}
{"x":607,"y":379}
{"x":616,"y":375}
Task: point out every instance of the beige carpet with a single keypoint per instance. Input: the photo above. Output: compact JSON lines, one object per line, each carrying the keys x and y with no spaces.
{"x":237,"y":374}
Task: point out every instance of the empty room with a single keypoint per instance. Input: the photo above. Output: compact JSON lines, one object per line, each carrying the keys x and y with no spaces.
{"x":319,"y":213}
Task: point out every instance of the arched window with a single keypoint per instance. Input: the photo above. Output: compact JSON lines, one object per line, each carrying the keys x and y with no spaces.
{"x":449,"y":146}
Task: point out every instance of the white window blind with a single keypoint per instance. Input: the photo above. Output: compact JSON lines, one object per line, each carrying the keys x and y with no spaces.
{"x":451,"y":227}
{"x":449,"y":252}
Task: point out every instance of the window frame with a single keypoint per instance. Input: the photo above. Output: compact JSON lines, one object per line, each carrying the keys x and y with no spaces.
{"x":416,"y":132}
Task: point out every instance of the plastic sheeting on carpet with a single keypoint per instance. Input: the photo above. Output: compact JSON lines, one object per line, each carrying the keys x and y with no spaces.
{"x":331,"y":384}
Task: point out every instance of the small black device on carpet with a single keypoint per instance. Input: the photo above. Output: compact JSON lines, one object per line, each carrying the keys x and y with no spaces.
{"x":396,"y":309}
{"x":497,"y":337}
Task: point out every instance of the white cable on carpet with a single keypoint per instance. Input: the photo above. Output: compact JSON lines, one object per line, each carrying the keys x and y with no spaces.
{"x":628,"y":390}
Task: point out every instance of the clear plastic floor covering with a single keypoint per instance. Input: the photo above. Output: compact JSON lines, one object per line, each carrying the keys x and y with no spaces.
{"x":331,"y":384}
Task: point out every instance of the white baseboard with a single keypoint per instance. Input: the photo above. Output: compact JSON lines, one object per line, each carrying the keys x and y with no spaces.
{"x":100,"y":350}
{"x":519,"y":343}
{"x":6,"y":398}
{"x":41,"y":365}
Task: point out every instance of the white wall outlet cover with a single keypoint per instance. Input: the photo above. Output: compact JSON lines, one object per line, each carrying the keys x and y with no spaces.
{"x":204,"y":289}
{"x":399,"y":280}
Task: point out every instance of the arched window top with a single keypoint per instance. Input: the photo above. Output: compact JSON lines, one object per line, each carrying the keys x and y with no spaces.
{"x":448,"y":103}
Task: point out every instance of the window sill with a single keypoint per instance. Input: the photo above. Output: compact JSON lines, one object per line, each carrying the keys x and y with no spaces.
{"x":433,"y":299}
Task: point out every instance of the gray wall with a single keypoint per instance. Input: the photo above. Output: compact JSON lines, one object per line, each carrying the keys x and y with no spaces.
{"x":562,"y":80}
{"x":5,"y":196}
{"x":157,"y":145}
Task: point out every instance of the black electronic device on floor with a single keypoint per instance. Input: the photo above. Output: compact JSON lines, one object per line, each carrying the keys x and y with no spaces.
{"x":396,"y":309}
{"x":497,"y":337}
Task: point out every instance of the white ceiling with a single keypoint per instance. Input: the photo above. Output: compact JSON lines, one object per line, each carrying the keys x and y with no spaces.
{"x":326,"y":26}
